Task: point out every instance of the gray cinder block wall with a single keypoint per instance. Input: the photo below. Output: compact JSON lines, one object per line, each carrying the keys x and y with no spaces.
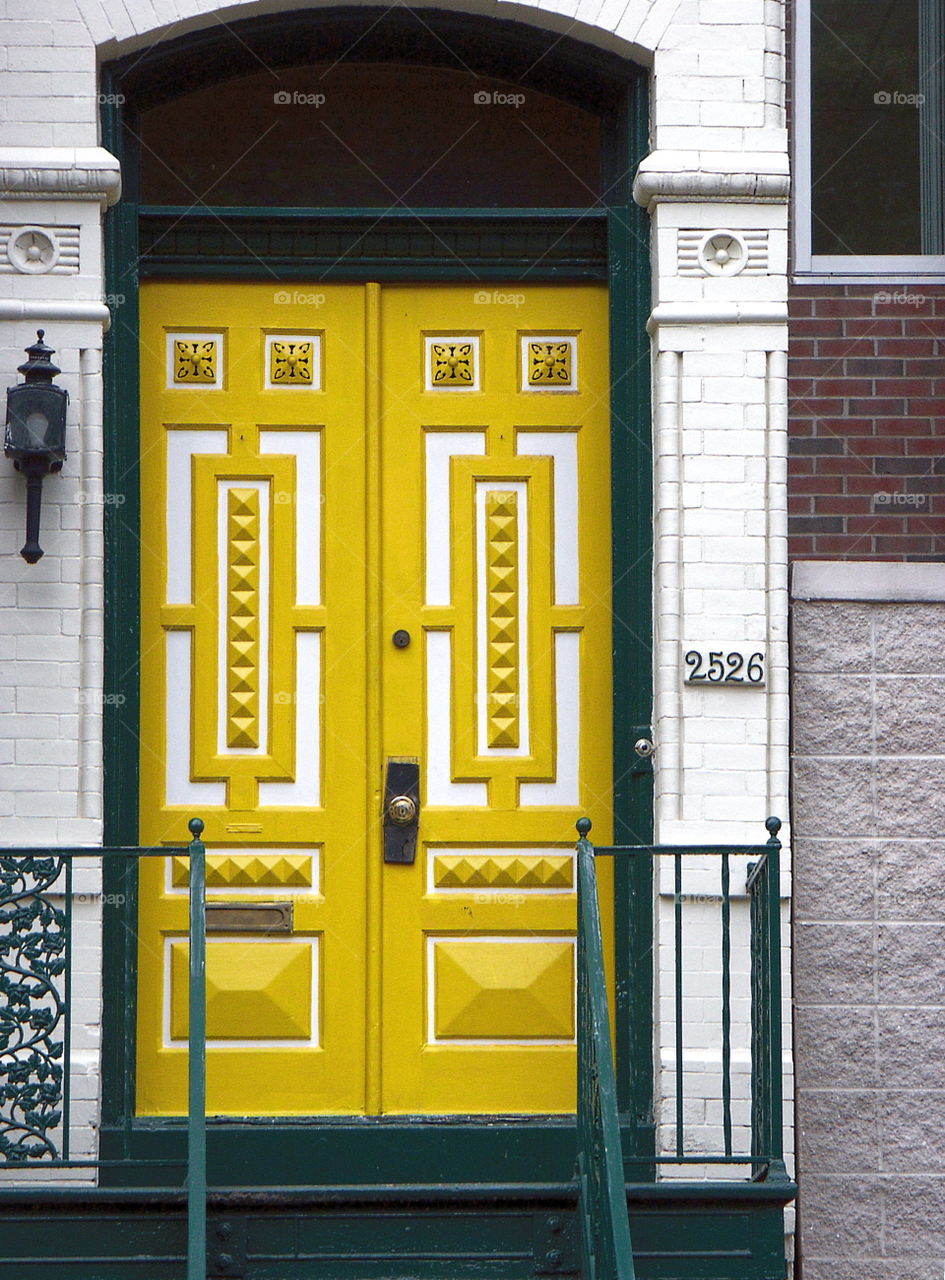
{"x":869,"y":918}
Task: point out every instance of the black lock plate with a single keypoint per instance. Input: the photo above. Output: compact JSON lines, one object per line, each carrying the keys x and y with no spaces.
{"x":400,"y":838}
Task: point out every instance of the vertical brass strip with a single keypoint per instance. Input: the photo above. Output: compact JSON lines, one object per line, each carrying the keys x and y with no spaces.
{"x":242,"y":618}
{"x":502,"y":619}
{"x":374,"y":921}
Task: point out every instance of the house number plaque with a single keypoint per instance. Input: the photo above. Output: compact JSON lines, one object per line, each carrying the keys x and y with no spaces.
{"x":732,"y":665}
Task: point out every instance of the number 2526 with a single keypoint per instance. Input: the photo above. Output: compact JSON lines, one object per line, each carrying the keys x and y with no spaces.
{"x":718,"y":667}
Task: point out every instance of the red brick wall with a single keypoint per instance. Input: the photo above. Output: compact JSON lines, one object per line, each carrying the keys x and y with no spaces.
{"x":867,"y":422}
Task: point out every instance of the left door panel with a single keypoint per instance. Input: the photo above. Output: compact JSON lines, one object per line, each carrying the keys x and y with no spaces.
{"x":253,"y":500}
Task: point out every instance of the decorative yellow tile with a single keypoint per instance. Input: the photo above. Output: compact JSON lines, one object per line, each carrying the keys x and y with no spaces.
{"x":242,"y":621}
{"x":502,"y":871}
{"x":292,"y":361}
{"x":249,"y":871}
{"x":255,"y":990}
{"x":549,"y":363}
{"x":452,"y":364}
{"x":502,"y":620}
{"x":503,"y":989}
{"x":196,"y":360}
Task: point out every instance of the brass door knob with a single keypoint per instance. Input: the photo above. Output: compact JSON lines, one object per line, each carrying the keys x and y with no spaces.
{"x":402,"y":810}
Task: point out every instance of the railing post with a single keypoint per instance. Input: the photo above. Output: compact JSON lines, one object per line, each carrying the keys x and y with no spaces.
{"x":772,"y":907}
{"x":196,"y":1063}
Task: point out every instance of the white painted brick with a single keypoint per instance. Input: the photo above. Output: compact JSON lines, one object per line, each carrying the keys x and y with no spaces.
{"x":42,"y":804}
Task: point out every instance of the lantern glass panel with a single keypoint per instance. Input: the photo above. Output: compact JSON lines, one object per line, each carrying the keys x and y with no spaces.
{"x":37,"y":421}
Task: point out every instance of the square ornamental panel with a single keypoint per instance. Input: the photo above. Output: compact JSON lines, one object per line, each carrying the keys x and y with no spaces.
{"x":259,"y":991}
{"x":549,"y":362}
{"x":506,"y":990}
{"x":195,"y":359}
{"x":451,"y":362}
{"x":293,"y":360}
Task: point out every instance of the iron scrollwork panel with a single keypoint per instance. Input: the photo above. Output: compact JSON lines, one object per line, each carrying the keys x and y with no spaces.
{"x":33,"y":1014}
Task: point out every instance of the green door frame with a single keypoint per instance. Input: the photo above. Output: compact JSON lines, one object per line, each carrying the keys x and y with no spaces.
{"x":537,"y":1151}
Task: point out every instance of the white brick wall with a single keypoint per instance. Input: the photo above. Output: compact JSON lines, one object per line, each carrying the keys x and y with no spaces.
{"x":719,"y":161}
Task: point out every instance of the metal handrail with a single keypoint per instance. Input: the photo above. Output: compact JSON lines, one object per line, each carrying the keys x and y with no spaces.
{"x":606,"y":1252}
{"x":35,"y":982}
{"x":766,"y":1157}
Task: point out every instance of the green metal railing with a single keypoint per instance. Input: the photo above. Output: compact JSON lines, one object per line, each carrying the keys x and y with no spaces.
{"x":748,"y":965}
{"x":767,"y":1120}
{"x":602,"y":1201}
{"x":36,"y":931}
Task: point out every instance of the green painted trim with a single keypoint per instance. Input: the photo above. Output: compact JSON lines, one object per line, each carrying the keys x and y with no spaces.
{"x":631,"y":463}
{"x":440,"y":1237}
{"x":542,"y":1149}
{"x":367,"y":213}
{"x":341,"y":1150}
{"x":359,"y":247}
{"x":120,"y":728}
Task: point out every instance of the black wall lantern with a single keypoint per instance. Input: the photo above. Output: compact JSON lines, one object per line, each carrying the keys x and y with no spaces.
{"x":36,"y":433}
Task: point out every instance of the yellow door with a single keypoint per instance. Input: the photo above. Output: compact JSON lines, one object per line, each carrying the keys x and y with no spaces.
{"x":324,"y":467}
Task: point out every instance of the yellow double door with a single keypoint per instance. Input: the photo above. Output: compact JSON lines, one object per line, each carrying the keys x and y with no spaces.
{"x":375,"y":526}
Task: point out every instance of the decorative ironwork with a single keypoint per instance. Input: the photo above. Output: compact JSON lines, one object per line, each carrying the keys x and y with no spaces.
{"x":551,"y":363}
{"x":195,"y":360}
{"x":33,"y":1030}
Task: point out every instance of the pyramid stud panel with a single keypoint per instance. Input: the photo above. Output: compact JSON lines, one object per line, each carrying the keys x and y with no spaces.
{"x":242,"y":619}
{"x":544,"y":871}
{"x":229,"y":870}
{"x":502,"y":618}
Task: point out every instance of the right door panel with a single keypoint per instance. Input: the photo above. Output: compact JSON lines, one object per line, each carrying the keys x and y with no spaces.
{"x":495,"y":556}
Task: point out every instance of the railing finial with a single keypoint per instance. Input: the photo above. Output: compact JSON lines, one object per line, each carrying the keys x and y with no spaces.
{"x":773,"y":825}
{"x":583,"y":827}
{"x":195,"y":827}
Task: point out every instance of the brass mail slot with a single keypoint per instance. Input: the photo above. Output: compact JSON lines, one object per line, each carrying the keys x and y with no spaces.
{"x":262,"y":917}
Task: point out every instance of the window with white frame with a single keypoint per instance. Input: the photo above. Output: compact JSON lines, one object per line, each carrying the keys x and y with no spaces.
{"x":870,"y":157}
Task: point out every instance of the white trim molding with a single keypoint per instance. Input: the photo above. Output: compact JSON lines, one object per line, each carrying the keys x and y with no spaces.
{"x":55,"y":312}
{"x":717,"y":313}
{"x":712,"y":175}
{"x":59,"y":173}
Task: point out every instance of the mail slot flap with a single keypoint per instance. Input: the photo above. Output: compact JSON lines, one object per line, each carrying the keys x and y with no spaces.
{"x":256,"y":917}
